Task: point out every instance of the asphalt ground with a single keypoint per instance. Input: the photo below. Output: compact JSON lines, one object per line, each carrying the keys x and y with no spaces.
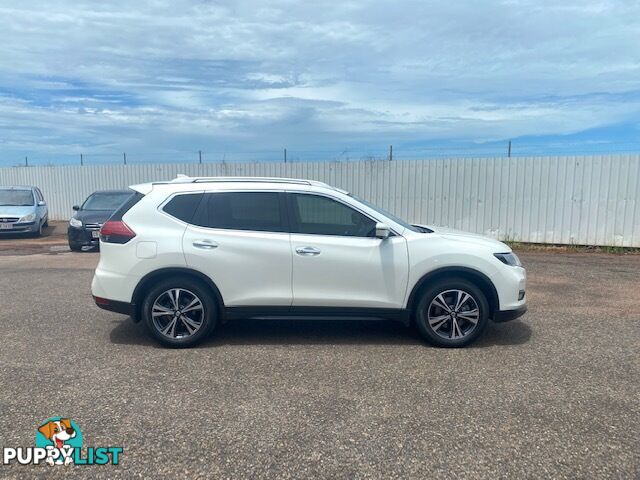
{"x":552,"y":395}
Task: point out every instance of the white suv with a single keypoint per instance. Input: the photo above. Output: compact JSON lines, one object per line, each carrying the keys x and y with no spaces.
{"x":186,"y":255}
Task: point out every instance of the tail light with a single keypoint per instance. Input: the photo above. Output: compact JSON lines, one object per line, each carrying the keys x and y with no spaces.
{"x":116,"y":231}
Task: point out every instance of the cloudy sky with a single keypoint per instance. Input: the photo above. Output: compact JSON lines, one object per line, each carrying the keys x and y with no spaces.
{"x":326,"y":79}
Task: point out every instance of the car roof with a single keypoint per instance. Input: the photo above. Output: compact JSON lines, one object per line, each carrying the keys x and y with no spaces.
{"x":185,"y":183}
{"x":16,"y":187}
{"x":112,"y":191}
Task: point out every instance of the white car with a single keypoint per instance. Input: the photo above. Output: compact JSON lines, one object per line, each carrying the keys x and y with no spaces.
{"x":188,"y":254}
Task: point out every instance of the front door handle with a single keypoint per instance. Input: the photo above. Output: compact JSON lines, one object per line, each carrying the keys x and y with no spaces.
{"x":205,"y":244}
{"x":307,"y":251}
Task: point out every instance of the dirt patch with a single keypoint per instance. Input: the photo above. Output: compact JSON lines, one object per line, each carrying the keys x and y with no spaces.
{"x":53,"y":240}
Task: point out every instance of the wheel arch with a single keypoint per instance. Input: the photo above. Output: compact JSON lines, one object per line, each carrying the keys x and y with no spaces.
{"x":477,"y":278}
{"x":151,"y":278}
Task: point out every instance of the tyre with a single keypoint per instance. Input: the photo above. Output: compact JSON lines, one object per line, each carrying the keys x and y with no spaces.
{"x":75,"y":247}
{"x":38,"y":233}
{"x":179,"y":312}
{"x":452,"y":313}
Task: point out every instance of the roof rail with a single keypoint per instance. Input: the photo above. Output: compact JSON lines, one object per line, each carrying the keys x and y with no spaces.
{"x":185,"y":179}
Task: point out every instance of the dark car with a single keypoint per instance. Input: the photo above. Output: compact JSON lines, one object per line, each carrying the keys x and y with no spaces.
{"x":84,"y":226}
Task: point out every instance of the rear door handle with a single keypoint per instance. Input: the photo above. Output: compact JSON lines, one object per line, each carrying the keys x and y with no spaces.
{"x":307,"y":251}
{"x":205,"y":244}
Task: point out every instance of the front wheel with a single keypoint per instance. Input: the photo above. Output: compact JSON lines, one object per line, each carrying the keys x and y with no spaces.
{"x":38,"y":233}
{"x":452,"y":313}
{"x":179,"y":312}
{"x":75,"y":247}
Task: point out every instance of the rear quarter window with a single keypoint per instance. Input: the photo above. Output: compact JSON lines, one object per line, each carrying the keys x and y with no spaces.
{"x":183,"y":207}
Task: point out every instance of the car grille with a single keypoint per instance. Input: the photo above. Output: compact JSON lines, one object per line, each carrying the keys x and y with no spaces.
{"x":9,"y":219}
{"x":93,"y":226}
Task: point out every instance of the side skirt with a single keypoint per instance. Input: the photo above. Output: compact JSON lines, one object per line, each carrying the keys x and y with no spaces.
{"x":316,"y":313}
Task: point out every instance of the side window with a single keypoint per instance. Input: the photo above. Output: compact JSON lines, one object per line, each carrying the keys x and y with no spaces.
{"x":257,"y":211}
{"x":39,"y":197}
{"x":183,"y":207}
{"x":314,"y":214}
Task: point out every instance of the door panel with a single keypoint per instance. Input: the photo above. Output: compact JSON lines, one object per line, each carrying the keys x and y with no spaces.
{"x":349,"y":271}
{"x":249,"y":268}
{"x":337,"y":260}
{"x":241,"y":241}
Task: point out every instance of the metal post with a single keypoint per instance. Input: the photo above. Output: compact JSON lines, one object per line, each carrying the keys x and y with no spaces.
{"x":124,"y":155}
{"x":81,"y":160}
{"x":390,"y":153}
{"x":200,"y":156}
{"x":509,"y":151}
{"x":285,"y":155}
{"x":26,"y":161}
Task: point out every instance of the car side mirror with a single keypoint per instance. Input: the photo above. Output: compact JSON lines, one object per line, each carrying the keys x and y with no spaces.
{"x":42,"y":203}
{"x":382,"y":231}
{"x":76,"y":207}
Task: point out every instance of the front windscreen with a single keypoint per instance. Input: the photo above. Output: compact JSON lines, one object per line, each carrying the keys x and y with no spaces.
{"x":105,"y":201}
{"x":16,"y":198}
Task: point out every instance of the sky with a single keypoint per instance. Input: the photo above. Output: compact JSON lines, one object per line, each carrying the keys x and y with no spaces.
{"x":334,"y":80}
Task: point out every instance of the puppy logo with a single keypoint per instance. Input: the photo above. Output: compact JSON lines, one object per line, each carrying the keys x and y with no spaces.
{"x":60,"y":436}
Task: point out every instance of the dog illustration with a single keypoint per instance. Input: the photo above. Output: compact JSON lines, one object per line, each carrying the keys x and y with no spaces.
{"x":58,"y":432}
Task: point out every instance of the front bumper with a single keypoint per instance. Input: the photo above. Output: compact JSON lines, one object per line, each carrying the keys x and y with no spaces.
{"x":507,"y":315}
{"x":23,"y":227}
{"x":82,"y":237}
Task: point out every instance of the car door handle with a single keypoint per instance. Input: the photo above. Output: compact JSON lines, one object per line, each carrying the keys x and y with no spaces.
{"x":205,"y":244}
{"x":307,"y":251}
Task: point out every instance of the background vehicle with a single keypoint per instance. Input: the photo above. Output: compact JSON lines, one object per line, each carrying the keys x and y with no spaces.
{"x":85,"y":224}
{"x":187,"y":254}
{"x":23,"y":210}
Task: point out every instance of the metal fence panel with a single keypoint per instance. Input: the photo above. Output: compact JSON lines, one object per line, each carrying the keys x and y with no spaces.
{"x":590,"y":200}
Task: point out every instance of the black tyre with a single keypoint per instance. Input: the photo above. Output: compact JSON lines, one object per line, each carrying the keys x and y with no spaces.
{"x":179,"y":312}
{"x":75,"y":247}
{"x":452,"y":313}
{"x":38,"y":233}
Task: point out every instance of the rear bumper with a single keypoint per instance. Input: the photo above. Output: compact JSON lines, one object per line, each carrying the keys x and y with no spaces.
{"x":507,"y":315}
{"x":115,"y":306}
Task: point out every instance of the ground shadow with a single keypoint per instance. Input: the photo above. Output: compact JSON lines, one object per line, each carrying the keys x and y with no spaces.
{"x":322,"y":332}
{"x":515,"y":332}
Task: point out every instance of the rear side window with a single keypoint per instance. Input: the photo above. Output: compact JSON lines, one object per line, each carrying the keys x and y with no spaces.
{"x":256,"y":211}
{"x":183,"y":207}
{"x":314,"y":214}
{"x":126,"y":206}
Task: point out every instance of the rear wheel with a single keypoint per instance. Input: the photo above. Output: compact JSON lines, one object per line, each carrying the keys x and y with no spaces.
{"x":452,"y":313}
{"x":179,"y":312}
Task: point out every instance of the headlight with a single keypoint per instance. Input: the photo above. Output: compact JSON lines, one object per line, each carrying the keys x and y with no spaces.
{"x":28,"y":218}
{"x":508,"y":259}
{"x":74,"y":222}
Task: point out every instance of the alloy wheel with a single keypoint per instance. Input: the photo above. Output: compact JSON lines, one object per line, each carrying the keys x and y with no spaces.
{"x":177,"y":313}
{"x":453,"y":314}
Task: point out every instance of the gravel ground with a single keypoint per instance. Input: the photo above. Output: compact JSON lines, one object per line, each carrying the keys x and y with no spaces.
{"x":552,"y":395}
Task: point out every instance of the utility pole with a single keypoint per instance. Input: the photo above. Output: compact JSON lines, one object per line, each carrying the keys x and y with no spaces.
{"x":285,"y":155}
{"x":390,"y":153}
{"x":124,"y":156}
{"x":509,"y":150}
{"x":81,"y":160}
{"x":200,"y":156}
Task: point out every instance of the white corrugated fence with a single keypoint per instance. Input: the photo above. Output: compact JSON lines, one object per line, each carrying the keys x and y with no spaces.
{"x":591,"y":200}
